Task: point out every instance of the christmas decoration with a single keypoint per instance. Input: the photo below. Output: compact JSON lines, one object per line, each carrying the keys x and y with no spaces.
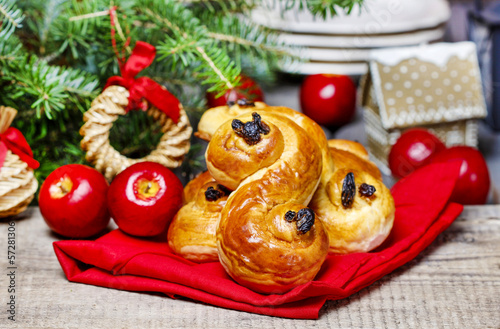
{"x":437,"y":87}
{"x":116,"y":101}
{"x":17,"y":181}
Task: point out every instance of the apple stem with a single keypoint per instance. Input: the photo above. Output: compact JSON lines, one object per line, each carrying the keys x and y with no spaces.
{"x":148,"y":188}
{"x":61,"y":186}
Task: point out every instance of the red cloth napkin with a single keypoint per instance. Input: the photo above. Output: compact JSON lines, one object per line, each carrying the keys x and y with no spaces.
{"x":119,"y":261}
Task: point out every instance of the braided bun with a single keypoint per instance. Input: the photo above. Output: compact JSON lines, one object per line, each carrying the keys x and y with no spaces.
{"x":267,"y":239}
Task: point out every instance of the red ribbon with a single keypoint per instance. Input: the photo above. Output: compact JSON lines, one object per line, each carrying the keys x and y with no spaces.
{"x":12,"y":139}
{"x":142,"y":56}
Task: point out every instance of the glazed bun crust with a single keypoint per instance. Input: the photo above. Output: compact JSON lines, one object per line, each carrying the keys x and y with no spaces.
{"x":269,"y":255}
{"x":191,"y":233}
{"x":231,"y":159}
{"x":366,"y":223}
{"x":257,"y":246}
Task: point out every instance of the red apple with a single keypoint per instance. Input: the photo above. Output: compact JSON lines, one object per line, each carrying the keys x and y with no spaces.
{"x":473,"y":183}
{"x":248,"y":89}
{"x":328,"y":99}
{"x":144,"y":198}
{"x":413,"y":149}
{"x":72,"y":201}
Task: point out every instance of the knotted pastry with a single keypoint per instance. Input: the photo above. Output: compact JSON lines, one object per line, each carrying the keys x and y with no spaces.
{"x":267,"y":239}
{"x":354,"y":204}
{"x":191,"y":233}
{"x":359,"y":227}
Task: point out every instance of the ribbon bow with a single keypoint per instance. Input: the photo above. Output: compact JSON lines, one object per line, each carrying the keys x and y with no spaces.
{"x":12,"y":139}
{"x":142,"y":56}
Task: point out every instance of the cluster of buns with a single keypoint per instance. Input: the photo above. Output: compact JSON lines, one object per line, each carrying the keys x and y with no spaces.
{"x":278,"y":197}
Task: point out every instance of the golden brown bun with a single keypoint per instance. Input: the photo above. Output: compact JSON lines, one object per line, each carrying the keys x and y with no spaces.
{"x":365,"y":224}
{"x":192,"y":231}
{"x":357,"y":229}
{"x":230,"y":160}
{"x":257,"y":246}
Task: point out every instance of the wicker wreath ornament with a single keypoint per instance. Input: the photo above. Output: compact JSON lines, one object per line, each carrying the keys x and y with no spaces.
{"x":17,"y":180}
{"x":105,"y":110}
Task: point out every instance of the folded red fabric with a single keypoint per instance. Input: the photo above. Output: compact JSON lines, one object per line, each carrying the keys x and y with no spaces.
{"x":119,"y":261}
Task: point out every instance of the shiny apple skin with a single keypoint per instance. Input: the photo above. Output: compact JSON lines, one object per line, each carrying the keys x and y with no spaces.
{"x":148,"y":216}
{"x":473,"y":183}
{"x":413,"y":149}
{"x":249,"y":89}
{"x":328,"y":99}
{"x":82,"y":212}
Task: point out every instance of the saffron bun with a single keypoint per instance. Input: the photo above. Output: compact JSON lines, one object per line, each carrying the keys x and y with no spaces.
{"x":267,"y":238}
{"x":360,"y":227}
{"x":366,"y":223}
{"x":191,"y":233}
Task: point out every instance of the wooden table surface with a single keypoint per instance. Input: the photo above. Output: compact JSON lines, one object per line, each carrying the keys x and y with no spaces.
{"x":454,"y":283}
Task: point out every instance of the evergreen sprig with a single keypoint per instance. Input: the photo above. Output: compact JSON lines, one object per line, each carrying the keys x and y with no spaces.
{"x":256,"y":49}
{"x":189,"y":43}
{"x":47,"y":87}
{"x":11,"y":18}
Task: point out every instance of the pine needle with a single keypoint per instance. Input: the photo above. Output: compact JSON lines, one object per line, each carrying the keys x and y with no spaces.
{"x":11,"y":18}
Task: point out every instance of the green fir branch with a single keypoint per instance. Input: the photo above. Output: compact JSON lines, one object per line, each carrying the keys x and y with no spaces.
{"x":256,"y":49}
{"x":10,"y":51}
{"x":11,"y":18}
{"x":188,"y":43}
{"x":49,"y":87}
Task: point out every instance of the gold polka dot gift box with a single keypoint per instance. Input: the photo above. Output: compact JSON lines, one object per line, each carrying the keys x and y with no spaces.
{"x":435,"y":86}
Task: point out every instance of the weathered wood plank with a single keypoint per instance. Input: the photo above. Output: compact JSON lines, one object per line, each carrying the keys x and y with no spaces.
{"x":455,"y":283}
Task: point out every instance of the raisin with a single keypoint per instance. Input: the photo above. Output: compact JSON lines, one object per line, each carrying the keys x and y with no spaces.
{"x":212,"y":194}
{"x":366,"y":190}
{"x":305,"y":220}
{"x":290,"y":216}
{"x":348,"y":190}
{"x":251,"y":131}
{"x":237,"y":125}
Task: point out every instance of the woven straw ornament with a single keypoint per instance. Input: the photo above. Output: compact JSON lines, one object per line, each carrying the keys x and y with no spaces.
{"x":105,"y":110}
{"x":17,"y":181}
